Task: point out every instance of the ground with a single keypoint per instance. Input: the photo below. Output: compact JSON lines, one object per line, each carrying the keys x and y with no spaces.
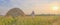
{"x":28,"y":20}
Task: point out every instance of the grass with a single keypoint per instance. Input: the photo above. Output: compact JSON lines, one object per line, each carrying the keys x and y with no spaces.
{"x":28,"y":20}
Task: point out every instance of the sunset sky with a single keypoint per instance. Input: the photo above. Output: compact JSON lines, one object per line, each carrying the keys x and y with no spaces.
{"x":39,"y":6}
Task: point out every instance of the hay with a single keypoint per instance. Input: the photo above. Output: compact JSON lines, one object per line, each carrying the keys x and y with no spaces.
{"x":15,"y":12}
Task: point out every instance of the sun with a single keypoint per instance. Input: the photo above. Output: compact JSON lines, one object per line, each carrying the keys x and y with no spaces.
{"x":55,"y":8}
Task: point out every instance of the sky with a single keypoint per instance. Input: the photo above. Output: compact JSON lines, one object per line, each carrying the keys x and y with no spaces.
{"x":27,"y":6}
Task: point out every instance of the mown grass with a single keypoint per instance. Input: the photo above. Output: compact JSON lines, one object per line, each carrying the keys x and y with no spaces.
{"x":28,"y":20}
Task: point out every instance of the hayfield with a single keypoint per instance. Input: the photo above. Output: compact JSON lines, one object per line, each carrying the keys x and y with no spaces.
{"x":28,"y":20}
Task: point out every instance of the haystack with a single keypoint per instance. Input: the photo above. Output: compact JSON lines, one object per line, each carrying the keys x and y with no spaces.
{"x":15,"y":12}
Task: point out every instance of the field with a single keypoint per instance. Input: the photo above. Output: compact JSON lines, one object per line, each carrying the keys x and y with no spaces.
{"x":28,"y":20}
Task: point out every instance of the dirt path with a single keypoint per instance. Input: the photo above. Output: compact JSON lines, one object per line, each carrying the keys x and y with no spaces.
{"x":56,"y":22}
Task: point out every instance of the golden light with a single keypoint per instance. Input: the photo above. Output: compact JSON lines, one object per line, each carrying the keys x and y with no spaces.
{"x":55,"y":8}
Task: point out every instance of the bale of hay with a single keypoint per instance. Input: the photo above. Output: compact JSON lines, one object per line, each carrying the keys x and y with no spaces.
{"x":15,"y":12}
